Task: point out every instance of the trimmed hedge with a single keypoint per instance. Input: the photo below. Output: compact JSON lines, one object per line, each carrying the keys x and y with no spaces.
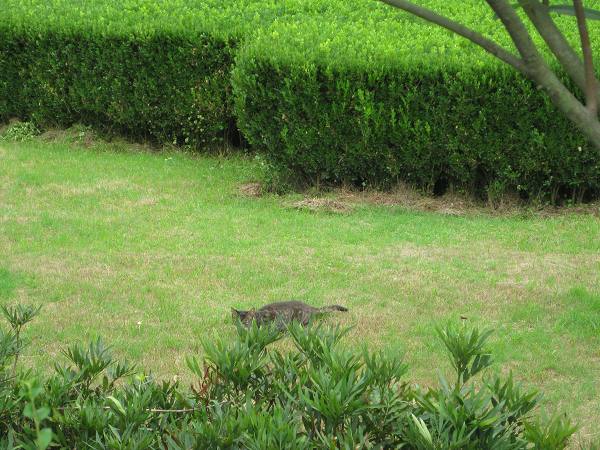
{"x":157,"y":70}
{"x":354,"y":103}
{"x":331,"y":91}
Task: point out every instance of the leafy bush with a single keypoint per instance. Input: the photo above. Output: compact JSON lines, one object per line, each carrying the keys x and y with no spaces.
{"x":156,"y":70}
{"x":352,"y":102}
{"x":19,"y":132}
{"x":161,"y":86}
{"x":249,"y":395}
{"x":331,"y":91}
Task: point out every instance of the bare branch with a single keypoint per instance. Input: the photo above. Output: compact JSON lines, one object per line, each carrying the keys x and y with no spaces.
{"x":475,"y":37}
{"x":556,"y":41}
{"x":516,"y":29}
{"x":591,"y":84}
{"x":537,"y":69}
{"x":531,"y":63}
{"x":149,"y":410}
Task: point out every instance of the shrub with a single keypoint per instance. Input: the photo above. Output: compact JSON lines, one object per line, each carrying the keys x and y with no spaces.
{"x":165,"y":85}
{"x":19,"y":132}
{"x":155,"y":70}
{"x":249,"y":395}
{"x":330,"y":91}
{"x":341,"y":102}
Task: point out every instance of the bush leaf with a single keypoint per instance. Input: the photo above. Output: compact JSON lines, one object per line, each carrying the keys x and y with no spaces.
{"x":116,"y":405}
{"x":44,"y":438}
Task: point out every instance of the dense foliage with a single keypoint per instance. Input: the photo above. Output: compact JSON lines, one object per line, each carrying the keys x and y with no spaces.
{"x":248,"y":394}
{"x":157,"y":70}
{"x":329,"y":91}
{"x":373,"y":114}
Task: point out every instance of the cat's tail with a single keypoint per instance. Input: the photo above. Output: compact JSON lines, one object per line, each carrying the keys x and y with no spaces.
{"x":333,"y":308}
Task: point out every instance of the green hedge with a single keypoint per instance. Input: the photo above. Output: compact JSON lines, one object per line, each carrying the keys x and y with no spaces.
{"x":157,"y":70}
{"x":354,"y":103}
{"x":331,"y":91}
{"x":168,"y":83}
{"x":144,"y":87}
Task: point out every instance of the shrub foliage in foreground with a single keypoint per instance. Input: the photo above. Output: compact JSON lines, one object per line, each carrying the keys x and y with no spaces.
{"x":251,"y":395}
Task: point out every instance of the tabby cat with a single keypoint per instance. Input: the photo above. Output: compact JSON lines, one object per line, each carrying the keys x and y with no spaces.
{"x":282,"y":313}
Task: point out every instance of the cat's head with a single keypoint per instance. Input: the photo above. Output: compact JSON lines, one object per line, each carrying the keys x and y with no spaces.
{"x":246,"y":317}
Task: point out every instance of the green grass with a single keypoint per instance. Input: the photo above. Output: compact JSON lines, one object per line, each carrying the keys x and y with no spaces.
{"x":150,"y":251}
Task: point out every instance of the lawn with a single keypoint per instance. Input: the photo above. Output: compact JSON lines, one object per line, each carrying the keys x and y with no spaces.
{"x":150,"y":251}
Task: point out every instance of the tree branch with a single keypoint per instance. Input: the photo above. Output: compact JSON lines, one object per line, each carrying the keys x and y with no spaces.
{"x":537,"y":69}
{"x":149,"y":410}
{"x":475,"y":37}
{"x":517,"y":31}
{"x":560,"y":47}
{"x":591,"y":83}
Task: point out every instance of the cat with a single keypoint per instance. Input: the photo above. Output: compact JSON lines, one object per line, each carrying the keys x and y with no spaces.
{"x":282,"y":313}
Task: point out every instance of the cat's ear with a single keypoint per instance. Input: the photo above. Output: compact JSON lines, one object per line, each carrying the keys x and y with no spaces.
{"x":235,"y":314}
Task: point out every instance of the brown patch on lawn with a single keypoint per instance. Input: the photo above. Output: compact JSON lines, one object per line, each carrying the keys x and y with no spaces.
{"x":317,"y":204}
{"x":591,"y":209}
{"x":21,"y":220}
{"x":144,"y":201}
{"x":451,"y":204}
{"x":407,"y":197}
{"x":53,"y":135}
{"x":455,"y":204}
{"x":251,"y":190}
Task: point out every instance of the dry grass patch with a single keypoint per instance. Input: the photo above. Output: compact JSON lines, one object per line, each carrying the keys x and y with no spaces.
{"x":407,"y":197}
{"x":144,"y":201}
{"x":321,"y":204}
{"x":83,"y":136}
{"x":454,"y":204}
{"x":69,"y":190}
{"x":251,"y":190}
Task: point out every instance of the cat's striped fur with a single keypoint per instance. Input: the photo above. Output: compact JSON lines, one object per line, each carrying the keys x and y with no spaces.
{"x":282,"y":313}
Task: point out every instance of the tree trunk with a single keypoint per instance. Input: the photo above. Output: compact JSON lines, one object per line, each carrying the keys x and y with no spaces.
{"x":538,"y":70}
{"x":566,"y":102}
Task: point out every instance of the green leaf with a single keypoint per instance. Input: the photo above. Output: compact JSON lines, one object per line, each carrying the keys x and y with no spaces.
{"x":44,"y":438}
{"x":28,"y":411}
{"x":194,"y":366}
{"x":42,"y":413}
{"x":488,"y":422}
{"x":116,"y":405}
{"x":422,"y":428}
